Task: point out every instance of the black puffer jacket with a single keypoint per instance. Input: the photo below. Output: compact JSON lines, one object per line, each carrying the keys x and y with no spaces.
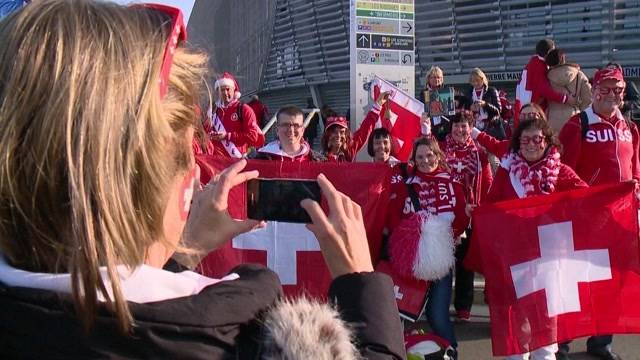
{"x":224,"y":321}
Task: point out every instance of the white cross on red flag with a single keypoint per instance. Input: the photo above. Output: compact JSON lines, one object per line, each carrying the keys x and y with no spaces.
{"x":559,"y":267}
{"x":404,"y":122}
{"x":290,"y":249}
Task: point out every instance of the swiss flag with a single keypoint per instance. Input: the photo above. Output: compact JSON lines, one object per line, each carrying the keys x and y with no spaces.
{"x":560,"y":266}
{"x":411,"y":293}
{"x":290,"y":249}
{"x":404,"y":121}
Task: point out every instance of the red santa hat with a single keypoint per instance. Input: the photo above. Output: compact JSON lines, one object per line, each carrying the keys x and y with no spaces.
{"x":228,"y":80}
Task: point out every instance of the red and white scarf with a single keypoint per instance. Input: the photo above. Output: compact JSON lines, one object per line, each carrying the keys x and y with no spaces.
{"x":464,"y":161}
{"x":536,"y":179}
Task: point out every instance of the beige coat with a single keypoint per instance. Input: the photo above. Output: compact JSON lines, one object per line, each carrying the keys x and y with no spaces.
{"x":568,"y":79}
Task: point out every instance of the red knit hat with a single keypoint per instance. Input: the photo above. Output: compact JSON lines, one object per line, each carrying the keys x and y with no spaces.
{"x":336,"y":120}
{"x":228,"y":80}
{"x":606,"y":74}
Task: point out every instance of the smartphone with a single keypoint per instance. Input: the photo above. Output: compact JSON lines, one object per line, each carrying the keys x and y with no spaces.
{"x":279,"y":199}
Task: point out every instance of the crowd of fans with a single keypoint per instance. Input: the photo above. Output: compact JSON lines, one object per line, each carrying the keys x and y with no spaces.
{"x":98,"y":174}
{"x":556,"y":139}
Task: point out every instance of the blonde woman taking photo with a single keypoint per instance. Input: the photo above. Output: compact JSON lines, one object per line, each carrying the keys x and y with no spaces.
{"x":97,"y":111}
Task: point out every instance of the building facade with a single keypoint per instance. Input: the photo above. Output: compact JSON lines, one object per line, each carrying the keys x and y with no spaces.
{"x":290,"y":50}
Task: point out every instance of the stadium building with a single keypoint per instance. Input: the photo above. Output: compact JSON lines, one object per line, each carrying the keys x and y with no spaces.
{"x":289,"y":50}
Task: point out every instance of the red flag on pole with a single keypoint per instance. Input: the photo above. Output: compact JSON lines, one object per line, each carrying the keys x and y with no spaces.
{"x":289,"y":249}
{"x":404,"y":121}
{"x":560,"y":266}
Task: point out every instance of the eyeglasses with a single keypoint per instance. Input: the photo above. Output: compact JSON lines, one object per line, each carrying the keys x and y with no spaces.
{"x":290,"y":125}
{"x":606,"y":90}
{"x":178,"y":33}
{"x":537,"y":139}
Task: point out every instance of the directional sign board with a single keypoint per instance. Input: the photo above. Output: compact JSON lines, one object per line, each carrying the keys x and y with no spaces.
{"x":382,"y":43}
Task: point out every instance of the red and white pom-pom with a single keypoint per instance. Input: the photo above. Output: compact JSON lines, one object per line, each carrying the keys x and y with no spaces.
{"x":435,"y":254}
{"x":403,"y":245}
{"x":422,"y":247}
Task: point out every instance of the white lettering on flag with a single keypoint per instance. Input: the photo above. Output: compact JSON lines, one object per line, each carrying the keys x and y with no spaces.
{"x":281,"y":241}
{"x":559,"y":269}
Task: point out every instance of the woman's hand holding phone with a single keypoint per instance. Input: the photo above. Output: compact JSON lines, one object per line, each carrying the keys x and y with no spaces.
{"x":341,"y":235}
{"x":209,"y":224}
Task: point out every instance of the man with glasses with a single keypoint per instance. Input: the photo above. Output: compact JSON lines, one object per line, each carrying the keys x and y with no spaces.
{"x":290,"y":145}
{"x":602,"y":147}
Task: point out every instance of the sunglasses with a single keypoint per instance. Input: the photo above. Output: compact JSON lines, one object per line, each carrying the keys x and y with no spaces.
{"x":537,"y":139}
{"x":606,"y":90}
{"x":178,"y":34}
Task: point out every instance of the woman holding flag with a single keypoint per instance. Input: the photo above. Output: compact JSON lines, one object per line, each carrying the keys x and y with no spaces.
{"x":532,"y":167}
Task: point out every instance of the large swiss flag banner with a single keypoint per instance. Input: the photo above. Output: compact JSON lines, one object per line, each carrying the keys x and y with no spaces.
{"x":290,"y":249}
{"x":560,"y":266}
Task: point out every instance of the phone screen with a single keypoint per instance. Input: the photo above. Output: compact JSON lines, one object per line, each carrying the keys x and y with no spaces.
{"x":279,"y":199}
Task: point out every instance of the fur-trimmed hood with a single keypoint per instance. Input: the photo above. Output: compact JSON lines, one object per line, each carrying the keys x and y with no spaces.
{"x":306,"y":329}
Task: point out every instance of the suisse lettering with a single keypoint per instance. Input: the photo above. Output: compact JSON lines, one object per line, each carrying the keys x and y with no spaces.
{"x":607,"y":135}
{"x":442,"y":190}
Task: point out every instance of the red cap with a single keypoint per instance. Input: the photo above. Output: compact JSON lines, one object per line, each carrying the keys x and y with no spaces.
{"x":336,"y":120}
{"x":606,"y":74}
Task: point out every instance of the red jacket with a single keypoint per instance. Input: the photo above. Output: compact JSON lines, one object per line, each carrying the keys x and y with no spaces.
{"x":358,"y":138}
{"x":438,"y":193}
{"x":534,"y":86}
{"x":608,"y":153}
{"x":499,"y":148}
{"x":502,"y":188}
{"x":243,"y":133}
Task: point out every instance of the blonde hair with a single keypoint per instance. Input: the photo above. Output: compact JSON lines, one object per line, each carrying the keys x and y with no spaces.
{"x":477,"y":72}
{"x":88,"y":148}
{"x":434,"y":70}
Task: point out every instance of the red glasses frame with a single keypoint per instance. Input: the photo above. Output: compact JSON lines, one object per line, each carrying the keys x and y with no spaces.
{"x":178,"y":34}
{"x":536,"y":139}
{"x":607,"y":90}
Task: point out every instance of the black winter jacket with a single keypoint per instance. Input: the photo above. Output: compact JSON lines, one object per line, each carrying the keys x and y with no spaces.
{"x":223,"y":321}
{"x":492,"y":102}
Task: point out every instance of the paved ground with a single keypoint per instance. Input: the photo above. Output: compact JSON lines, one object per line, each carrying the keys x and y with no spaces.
{"x":475,"y":340}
